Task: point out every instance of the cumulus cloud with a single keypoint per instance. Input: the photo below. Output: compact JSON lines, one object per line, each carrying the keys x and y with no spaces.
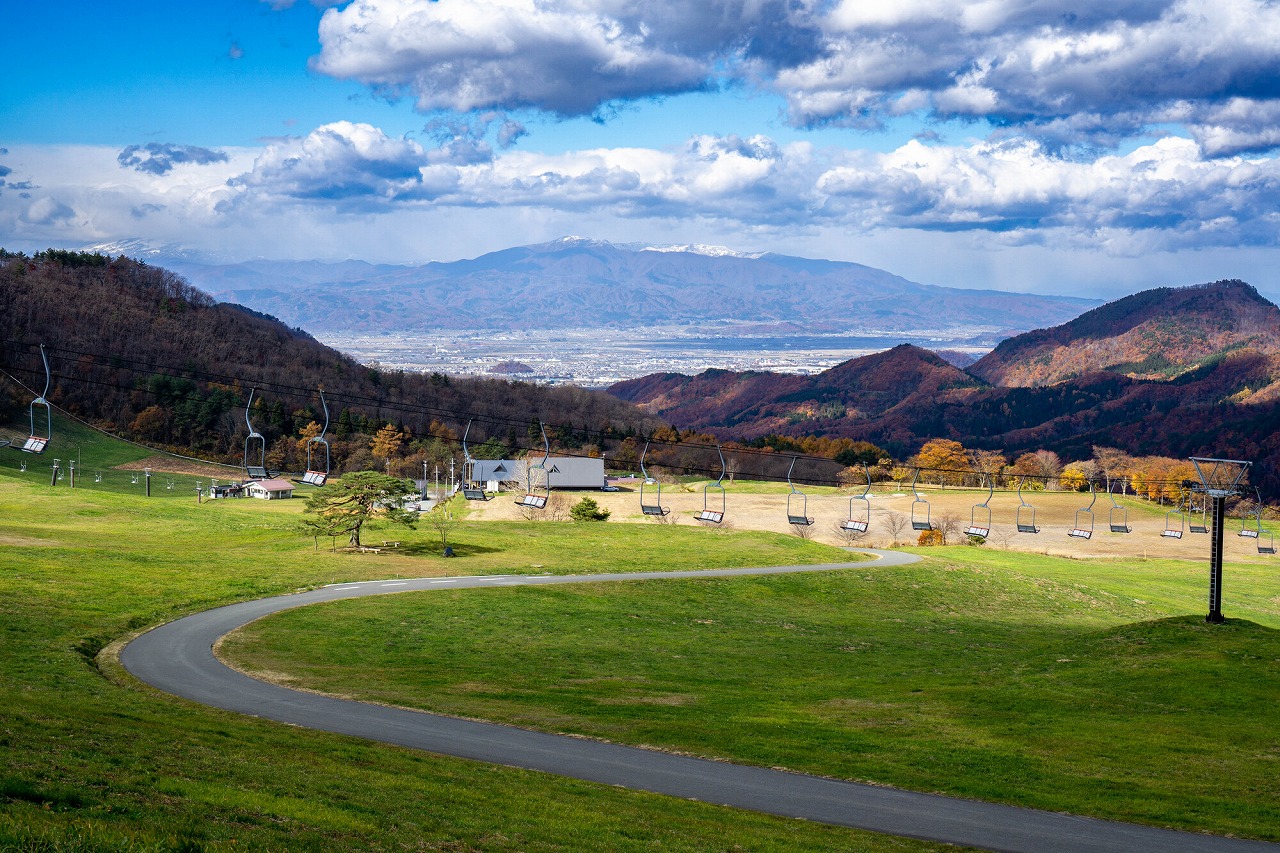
{"x":1064,"y":72}
{"x":1085,"y":72}
{"x":159,"y":158}
{"x":1017,"y":190}
{"x":1167,"y":189}
{"x":47,"y":211}
{"x":345,"y":164}
{"x":1167,"y":195}
{"x":569,"y":57}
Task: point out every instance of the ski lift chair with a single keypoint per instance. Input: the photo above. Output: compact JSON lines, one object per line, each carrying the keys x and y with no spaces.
{"x":1170,"y":531}
{"x":981,"y":525}
{"x":314,"y":475}
{"x":470,"y":491}
{"x":1079,"y":531}
{"x":920,"y":519}
{"x":859,"y":523}
{"x":709,"y":515}
{"x":1121,"y":526}
{"x":37,"y":442}
{"x":1026,"y":514}
{"x":537,"y":499}
{"x":655,"y":507}
{"x":1203,"y":526}
{"x":1256,"y":532}
{"x":259,"y":471}
{"x":797,"y":512}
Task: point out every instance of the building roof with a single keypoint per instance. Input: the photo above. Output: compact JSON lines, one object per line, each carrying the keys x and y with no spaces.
{"x":275,"y":485}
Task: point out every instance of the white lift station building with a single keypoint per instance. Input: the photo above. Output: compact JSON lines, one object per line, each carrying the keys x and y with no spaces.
{"x":563,"y":472}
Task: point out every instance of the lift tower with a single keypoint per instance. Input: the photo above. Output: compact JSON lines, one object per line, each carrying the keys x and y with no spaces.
{"x":1219,"y":480}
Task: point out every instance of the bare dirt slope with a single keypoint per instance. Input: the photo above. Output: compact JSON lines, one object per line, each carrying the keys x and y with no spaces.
{"x":1055,"y":515}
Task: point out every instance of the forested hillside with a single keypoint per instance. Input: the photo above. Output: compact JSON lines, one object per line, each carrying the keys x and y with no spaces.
{"x":1156,"y":334}
{"x":137,"y":350}
{"x":1221,"y":399}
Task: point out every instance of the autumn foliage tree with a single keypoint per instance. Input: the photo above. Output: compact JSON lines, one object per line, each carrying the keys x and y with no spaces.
{"x":945,"y":460}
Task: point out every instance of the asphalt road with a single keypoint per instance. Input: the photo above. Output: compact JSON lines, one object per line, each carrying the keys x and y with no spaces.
{"x":178,"y":658}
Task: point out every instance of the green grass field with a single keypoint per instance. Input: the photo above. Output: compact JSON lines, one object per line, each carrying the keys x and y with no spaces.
{"x":92,"y":761}
{"x":1058,"y":684}
{"x":1089,"y":686}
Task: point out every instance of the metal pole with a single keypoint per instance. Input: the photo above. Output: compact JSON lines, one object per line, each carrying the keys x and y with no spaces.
{"x":148,"y":473}
{"x":1215,"y":560}
{"x":424,"y":479}
{"x":54,"y":481}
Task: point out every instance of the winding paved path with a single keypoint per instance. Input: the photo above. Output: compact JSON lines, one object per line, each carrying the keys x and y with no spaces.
{"x":178,"y":658}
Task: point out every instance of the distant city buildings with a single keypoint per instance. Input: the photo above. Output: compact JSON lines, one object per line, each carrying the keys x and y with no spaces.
{"x":598,"y":358}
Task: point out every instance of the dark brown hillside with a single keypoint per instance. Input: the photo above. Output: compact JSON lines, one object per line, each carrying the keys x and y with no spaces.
{"x":753,"y":404}
{"x":1156,"y":334}
{"x":137,"y":350}
{"x":1229,"y":406}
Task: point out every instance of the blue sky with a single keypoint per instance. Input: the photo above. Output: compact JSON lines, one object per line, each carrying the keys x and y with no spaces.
{"x":1087,"y":148}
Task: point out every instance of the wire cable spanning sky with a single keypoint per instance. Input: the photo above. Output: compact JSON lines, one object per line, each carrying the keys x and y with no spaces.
{"x":1086,"y":147}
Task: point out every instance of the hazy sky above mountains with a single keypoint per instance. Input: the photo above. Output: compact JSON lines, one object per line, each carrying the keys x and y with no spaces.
{"x":1093,"y":148}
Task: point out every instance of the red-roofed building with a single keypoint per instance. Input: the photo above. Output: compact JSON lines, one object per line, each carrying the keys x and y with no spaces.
{"x":269,"y":490}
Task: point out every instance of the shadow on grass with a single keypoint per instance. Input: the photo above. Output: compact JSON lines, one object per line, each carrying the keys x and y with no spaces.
{"x":433,"y":549}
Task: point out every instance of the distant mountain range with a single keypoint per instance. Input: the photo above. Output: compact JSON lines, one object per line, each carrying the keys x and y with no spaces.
{"x":1177,"y":372}
{"x":579,"y":283}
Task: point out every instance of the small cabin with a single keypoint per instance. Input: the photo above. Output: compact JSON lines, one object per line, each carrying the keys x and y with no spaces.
{"x":269,"y":490}
{"x":230,"y":490}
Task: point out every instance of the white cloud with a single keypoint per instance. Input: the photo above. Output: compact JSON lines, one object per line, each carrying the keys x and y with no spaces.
{"x":47,"y":211}
{"x":343,"y":163}
{"x":1086,"y":72}
{"x":567,"y":58}
{"x":1161,"y":196}
{"x":1062,"y":72}
{"x":322,"y":193}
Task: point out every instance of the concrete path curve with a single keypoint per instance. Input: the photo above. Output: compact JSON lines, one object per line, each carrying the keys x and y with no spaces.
{"x":178,"y":658}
